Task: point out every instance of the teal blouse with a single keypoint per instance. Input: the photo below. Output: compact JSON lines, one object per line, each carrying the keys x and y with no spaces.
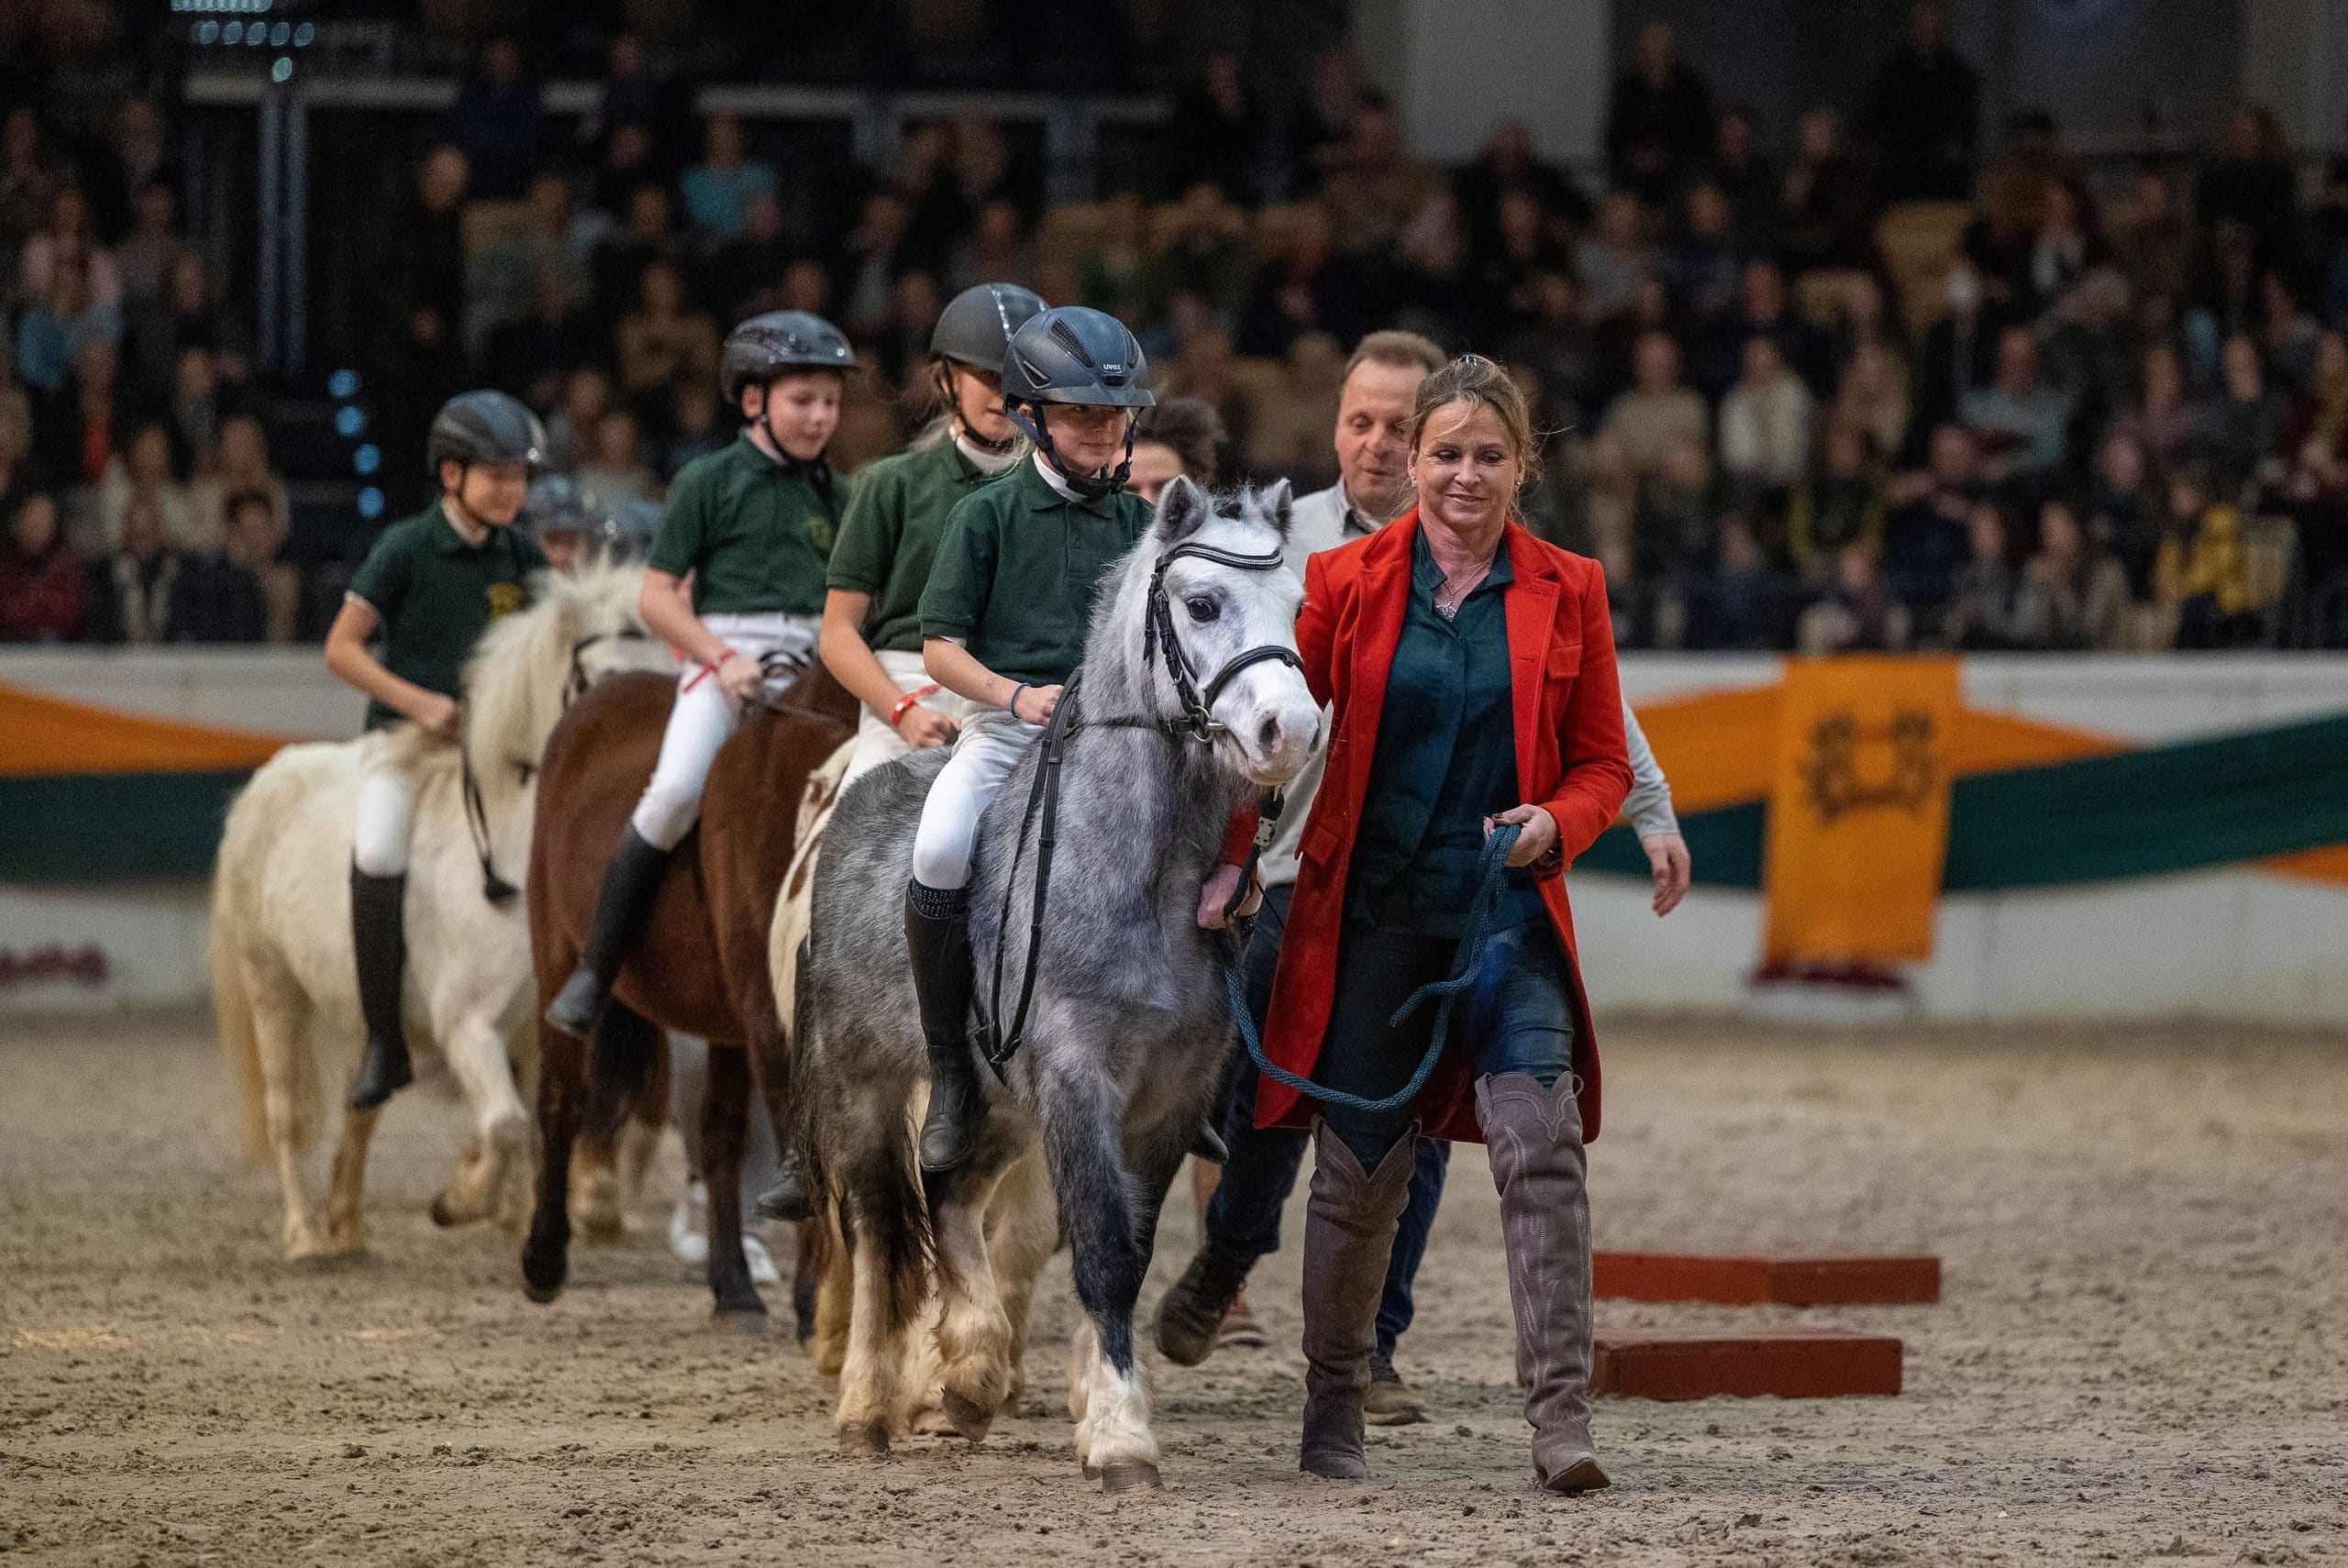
{"x":1445,"y":759}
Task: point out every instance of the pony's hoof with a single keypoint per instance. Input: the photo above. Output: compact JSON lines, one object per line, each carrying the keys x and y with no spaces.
{"x":748,"y":1322}
{"x":932,"y":1421}
{"x":868,"y":1440}
{"x":440,"y":1211}
{"x":1130,"y":1475}
{"x":970,"y":1418}
{"x":542,"y":1276}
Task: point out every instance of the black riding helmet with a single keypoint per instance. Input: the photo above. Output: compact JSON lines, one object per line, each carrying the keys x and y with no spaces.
{"x":484,"y":427}
{"x":1073,"y":354}
{"x":778,"y":343}
{"x":976,"y":325}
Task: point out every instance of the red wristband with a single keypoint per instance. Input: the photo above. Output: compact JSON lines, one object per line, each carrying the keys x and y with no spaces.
{"x":905,"y":704}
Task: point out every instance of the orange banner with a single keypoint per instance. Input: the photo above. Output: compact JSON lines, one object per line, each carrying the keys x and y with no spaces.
{"x":1858,"y":808}
{"x":43,"y":736}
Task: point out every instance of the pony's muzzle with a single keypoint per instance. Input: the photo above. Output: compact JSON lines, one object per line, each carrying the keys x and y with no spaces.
{"x":1279,"y":737}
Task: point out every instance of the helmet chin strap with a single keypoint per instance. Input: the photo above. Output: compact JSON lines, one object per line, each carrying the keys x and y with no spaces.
{"x":455,"y":500}
{"x":962,"y":428}
{"x":781,"y":452}
{"x":1092,"y":486}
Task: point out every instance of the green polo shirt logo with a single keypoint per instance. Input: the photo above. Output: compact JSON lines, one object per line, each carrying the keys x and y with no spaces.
{"x":754,"y":534}
{"x":436,"y":594}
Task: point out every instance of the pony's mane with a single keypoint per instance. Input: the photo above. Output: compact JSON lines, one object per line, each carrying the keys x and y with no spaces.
{"x":514,"y":682}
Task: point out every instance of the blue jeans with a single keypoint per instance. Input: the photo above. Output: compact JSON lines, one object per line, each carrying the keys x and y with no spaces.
{"x":1517,"y":1017}
{"x":1243,"y":1215}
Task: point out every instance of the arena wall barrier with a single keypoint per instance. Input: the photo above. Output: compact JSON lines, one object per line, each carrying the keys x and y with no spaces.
{"x":2115,"y":891}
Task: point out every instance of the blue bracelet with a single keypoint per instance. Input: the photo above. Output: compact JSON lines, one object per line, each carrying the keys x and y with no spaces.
{"x":1014,"y":703}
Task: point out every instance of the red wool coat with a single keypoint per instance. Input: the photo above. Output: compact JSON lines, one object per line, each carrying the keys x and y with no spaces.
{"x":1570,"y":759}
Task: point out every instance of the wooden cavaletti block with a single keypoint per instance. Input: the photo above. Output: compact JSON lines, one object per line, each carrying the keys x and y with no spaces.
{"x":1787,"y":1363}
{"x":1763,"y":1279}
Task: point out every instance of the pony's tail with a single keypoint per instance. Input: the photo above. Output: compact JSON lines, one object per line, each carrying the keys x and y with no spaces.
{"x":868,"y":1187}
{"x":628,"y":1045}
{"x":806,"y":1131}
{"x":232,"y":1007}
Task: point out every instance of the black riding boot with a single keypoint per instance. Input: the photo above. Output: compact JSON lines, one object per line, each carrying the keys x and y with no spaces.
{"x":630,"y":883}
{"x":379,"y":938}
{"x":937,"y":933}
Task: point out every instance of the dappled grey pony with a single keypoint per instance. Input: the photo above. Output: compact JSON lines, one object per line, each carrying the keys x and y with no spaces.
{"x":1191,"y":703}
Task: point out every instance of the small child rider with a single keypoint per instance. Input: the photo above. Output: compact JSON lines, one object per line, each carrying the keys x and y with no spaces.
{"x":1003,"y":621}
{"x":751,"y":524}
{"x":872,"y":635}
{"x":431,"y":585}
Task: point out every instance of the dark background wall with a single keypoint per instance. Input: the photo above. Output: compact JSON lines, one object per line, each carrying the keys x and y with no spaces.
{"x":2101,"y":67}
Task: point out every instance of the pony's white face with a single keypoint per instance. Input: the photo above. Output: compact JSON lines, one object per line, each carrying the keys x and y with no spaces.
{"x":1267,"y":722}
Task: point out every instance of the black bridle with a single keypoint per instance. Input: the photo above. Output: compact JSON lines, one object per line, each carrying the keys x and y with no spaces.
{"x":1196,"y":726}
{"x":1197,"y":707}
{"x":493,"y":887}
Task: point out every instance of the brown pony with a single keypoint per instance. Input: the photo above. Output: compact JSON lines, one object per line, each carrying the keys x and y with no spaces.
{"x":701,"y":966}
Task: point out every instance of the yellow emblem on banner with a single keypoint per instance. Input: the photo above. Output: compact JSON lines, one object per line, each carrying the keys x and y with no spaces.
{"x":1858,"y":808}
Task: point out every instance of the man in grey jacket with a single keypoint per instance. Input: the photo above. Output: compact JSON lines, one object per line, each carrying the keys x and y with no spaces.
{"x":1242,"y":1219}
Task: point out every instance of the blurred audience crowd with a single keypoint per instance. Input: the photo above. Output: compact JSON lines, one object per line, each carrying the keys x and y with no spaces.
{"x":1905,"y":382}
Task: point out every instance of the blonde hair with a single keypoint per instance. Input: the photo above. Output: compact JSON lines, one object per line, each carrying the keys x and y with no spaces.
{"x":1474,"y":380}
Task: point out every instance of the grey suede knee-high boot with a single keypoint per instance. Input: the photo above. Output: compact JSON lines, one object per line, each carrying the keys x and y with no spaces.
{"x":1349,"y":1223}
{"x":1533,"y":1136}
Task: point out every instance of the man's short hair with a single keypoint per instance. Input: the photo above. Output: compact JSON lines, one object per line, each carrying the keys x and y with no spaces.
{"x":1402,"y":350}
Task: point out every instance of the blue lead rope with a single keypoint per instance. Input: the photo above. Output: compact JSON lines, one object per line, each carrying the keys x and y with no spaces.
{"x":1492,"y":877}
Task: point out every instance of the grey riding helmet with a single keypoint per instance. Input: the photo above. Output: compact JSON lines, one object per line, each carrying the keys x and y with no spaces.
{"x":555,"y":506}
{"x":620,"y":530}
{"x":976,"y":325}
{"x":484,"y":428}
{"x":778,"y":343}
{"x":1075,"y":354}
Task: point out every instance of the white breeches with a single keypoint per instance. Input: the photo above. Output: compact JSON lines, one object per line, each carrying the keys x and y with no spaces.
{"x":386,"y":805}
{"x":876,"y":740}
{"x":984,"y":754}
{"x":704,"y":716}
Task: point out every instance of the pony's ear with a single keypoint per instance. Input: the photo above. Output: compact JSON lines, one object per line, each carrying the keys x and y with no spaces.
{"x":1180,"y":509}
{"x":1277,"y":510}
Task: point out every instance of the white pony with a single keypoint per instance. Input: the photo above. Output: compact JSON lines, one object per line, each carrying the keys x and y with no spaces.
{"x":284,"y":982}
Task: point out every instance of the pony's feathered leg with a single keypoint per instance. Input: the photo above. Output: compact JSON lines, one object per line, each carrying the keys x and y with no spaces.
{"x":1100,"y":1205}
{"x":973,"y":1334}
{"x":887,"y":1236}
{"x":280,"y":1022}
{"x":347,"y":1189}
{"x":476,"y":1055}
{"x":724,"y":1130}
{"x":562,"y":1092}
{"x":1023,"y":1232}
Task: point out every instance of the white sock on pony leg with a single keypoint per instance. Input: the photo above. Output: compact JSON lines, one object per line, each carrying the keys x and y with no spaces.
{"x":1117,"y":1411}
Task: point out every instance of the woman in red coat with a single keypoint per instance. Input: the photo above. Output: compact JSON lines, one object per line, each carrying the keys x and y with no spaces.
{"x":1472,"y":671}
